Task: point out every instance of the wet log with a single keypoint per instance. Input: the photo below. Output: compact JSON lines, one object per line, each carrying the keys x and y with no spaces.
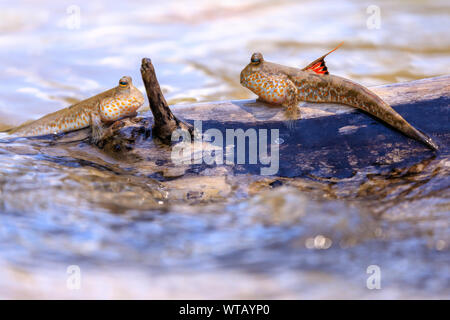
{"x":327,"y":141}
{"x":164,"y":122}
{"x":330,"y":145}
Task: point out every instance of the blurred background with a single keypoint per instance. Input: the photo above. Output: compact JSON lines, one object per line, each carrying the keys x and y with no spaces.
{"x":313,"y":239}
{"x":57,"y":52}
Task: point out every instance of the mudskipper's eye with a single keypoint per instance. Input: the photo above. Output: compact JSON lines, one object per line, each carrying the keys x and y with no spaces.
{"x":123,"y":83}
{"x":256,"y":58}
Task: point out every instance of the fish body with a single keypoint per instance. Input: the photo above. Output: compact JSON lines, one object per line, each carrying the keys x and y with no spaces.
{"x":287,"y":86}
{"x":108,"y":106}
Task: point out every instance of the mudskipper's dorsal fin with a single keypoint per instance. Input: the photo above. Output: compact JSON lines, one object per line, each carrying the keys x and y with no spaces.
{"x":318,"y":66}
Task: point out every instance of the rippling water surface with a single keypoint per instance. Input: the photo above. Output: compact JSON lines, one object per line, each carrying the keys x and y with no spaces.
{"x":133,"y":236}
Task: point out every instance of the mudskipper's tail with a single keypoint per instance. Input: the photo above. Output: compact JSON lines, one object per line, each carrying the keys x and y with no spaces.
{"x":383,"y":111}
{"x":422,"y":137}
{"x":394,"y":119}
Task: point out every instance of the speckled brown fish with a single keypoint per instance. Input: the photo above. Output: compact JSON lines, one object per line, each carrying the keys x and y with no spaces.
{"x":287,"y":86}
{"x":104,"y":107}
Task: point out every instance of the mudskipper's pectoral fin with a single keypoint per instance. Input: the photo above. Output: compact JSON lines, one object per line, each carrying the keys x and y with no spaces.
{"x":98,"y":130}
{"x":292,"y":111}
{"x":318,"y":66}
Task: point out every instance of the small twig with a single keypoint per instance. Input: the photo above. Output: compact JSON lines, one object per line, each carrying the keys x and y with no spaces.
{"x":164,"y":120}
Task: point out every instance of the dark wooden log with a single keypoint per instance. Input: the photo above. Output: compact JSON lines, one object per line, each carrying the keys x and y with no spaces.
{"x":328,"y":141}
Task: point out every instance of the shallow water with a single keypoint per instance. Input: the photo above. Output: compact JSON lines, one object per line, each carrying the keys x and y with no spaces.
{"x":212,"y":234}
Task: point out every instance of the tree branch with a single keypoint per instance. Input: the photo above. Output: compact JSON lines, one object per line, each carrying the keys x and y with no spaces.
{"x":164,"y":120}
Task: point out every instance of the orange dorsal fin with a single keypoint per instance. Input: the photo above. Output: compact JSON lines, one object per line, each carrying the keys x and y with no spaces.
{"x":318,"y":66}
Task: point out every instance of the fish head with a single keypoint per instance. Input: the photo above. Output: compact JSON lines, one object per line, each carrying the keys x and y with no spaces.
{"x":126,"y":101}
{"x":255,"y":66}
{"x":127,"y":88}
